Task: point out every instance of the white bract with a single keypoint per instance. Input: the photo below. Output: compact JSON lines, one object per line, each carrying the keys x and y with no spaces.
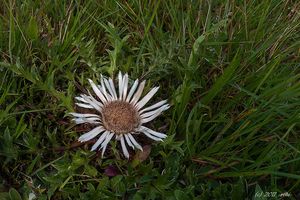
{"x":119,"y":115}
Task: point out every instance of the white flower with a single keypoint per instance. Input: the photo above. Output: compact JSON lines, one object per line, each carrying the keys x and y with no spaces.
{"x":119,"y":115}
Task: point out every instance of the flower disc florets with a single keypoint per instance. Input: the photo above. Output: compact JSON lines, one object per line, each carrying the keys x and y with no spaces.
{"x":120,"y":117}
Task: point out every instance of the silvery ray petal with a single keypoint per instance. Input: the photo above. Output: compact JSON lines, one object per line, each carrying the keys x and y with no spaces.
{"x":138,"y":93}
{"x":90,"y":119}
{"x":79,"y":121}
{"x":93,"y":103}
{"x":97,"y":91}
{"x":91,"y":134}
{"x":128,"y":141}
{"x":81,"y":99}
{"x":104,"y":144}
{"x":134,"y":142}
{"x":125,"y":151}
{"x":152,"y":137}
{"x":120,"y":77}
{"x":118,"y":137}
{"x":109,"y":89}
{"x":125,"y":86}
{"x":133,"y":88}
{"x":83,"y":115}
{"x":84,"y":105}
{"x":149,"y":114}
{"x":152,"y":132}
{"x":103,"y":150}
{"x":106,"y":141}
{"x":92,"y":99}
{"x":104,"y":92}
{"x":85,"y":97}
{"x":112,"y":87}
{"x":153,"y":106}
{"x":148,"y":119}
{"x":84,"y":120}
{"x":146,"y":98}
{"x":108,"y":96}
{"x":100,"y":140}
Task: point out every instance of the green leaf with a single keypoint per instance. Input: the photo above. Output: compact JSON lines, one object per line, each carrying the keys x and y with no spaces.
{"x":179,"y":195}
{"x":4,"y":195}
{"x":238,"y":190}
{"x":14,"y":194}
{"x":7,"y":147}
{"x":137,"y":196}
{"x":32,"y":29}
{"x":194,"y":54}
{"x":222,"y":80}
{"x":196,"y":46}
{"x":90,"y":170}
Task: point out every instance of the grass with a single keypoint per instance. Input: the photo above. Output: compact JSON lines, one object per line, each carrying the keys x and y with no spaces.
{"x":230,"y":70}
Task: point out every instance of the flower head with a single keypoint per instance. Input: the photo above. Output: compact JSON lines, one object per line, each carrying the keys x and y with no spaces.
{"x":119,"y":116}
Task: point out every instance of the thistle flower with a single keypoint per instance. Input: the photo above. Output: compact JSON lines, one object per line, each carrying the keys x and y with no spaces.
{"x":121,"y":116}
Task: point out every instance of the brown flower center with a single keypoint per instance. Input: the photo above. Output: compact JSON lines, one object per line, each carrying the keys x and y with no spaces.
{"x":120,"y":117}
